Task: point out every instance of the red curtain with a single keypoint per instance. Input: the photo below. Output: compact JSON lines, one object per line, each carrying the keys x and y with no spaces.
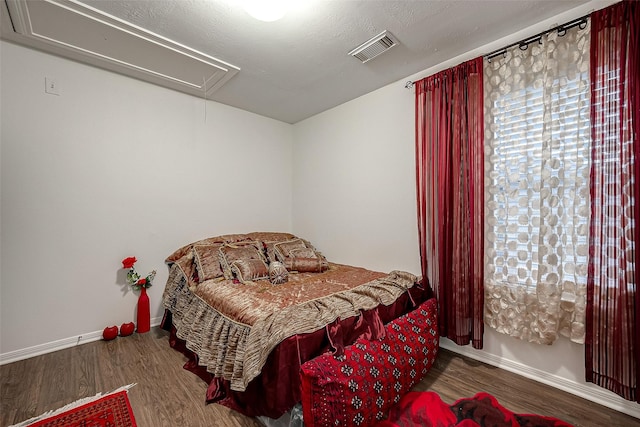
{"x":612,"y":340}
{"x":450,"y":176}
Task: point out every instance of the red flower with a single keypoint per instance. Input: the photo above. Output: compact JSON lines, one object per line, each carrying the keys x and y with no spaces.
{"x":128,"y":262}
{"x":141,"y":282}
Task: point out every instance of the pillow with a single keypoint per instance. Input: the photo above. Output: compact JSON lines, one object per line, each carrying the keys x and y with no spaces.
{"x":270,"y":251}
{"x":187,"y":265}
{"x":306,"y":265}
{"x":283,"y":249}
{"x":303,"y":253}
{"x":278,"y":273}
{"x":247,"y":270}
{"x":299,"y":255}
{"x":358,"y":387}
{"x":207,"y":261}
{"x":238,"y":251}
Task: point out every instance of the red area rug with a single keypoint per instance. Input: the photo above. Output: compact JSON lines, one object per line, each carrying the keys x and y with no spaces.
{"x":482,"y":410}
{"x":110,"y":410}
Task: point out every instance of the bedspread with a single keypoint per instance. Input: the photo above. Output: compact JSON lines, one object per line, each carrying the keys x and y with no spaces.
{"x":233,"y":327}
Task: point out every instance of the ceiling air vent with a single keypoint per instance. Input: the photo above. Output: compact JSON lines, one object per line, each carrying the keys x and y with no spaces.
{"x":374,"y":46}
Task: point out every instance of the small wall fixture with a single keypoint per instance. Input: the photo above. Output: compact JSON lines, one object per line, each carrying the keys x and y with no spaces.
{"x":374,"y":46}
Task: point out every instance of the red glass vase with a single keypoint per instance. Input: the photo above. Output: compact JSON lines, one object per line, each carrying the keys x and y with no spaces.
{"x":144,"y":314}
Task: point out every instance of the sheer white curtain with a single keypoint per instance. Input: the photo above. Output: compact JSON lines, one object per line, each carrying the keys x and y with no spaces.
{"x":536,"y":187}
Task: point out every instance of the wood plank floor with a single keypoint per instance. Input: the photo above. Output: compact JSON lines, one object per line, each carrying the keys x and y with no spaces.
{"x":167,"y":395}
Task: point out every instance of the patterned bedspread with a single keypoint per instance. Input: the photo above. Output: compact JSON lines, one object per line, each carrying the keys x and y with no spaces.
{"x":233,"y":327}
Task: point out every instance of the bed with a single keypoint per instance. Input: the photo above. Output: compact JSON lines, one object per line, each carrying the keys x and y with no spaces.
{"x":247,"y":325}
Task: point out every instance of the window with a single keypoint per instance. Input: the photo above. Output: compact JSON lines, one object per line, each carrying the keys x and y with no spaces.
{"x":530,"y":178}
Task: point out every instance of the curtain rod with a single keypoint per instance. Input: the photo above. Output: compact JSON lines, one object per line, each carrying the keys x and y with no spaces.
{"x":524,"y":43}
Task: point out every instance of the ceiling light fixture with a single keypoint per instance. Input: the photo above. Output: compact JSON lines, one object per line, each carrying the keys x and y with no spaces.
{"x":267,"y":11}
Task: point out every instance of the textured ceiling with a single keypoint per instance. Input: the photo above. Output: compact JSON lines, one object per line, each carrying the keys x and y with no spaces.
{"x":298,"y":66}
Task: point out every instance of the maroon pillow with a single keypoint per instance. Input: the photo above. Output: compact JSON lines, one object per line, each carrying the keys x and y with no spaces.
{"x":359,"y":387}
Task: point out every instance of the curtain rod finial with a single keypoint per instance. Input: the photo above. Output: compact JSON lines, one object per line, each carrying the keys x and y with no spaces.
{"x":408,"y":85}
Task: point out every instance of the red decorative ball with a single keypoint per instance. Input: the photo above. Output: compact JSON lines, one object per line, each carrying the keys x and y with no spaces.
{"x":110,"y":333}
{"x":127,"y":329}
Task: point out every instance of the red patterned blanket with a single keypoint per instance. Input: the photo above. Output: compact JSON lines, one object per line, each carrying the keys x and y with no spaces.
{"x":482,"y":410}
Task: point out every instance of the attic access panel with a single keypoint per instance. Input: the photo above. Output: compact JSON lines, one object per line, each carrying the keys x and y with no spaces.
{"x":78,"y":31}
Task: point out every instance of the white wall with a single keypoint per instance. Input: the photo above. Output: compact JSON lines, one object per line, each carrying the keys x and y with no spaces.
{"x":354,"y":188}
{"x":354,"y":197}
{"x":115,"y":167}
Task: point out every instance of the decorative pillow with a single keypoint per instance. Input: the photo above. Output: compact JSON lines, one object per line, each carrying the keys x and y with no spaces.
{"x":187,"y":265}
{"x":278,"y":273}
{"x":207,"y":261}
{"x":295,"y":255}
{"x":303,"y":253}
{"x":306,"y":265}
{"x":239,"y":251}
{"x":270,"y":250}
{"x":187,"y":249}
{"x":283,"y":249}
{"x":247,"y":270}
{"x":359,"y":387}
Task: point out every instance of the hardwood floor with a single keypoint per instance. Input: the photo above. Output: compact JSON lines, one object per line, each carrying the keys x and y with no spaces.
{"x":167,"y":395}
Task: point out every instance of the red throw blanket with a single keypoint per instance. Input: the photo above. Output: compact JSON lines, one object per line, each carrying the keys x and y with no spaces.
{"x":483,"y":410}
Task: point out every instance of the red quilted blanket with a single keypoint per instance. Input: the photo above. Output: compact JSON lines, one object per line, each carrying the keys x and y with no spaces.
{"x":482,"y":410}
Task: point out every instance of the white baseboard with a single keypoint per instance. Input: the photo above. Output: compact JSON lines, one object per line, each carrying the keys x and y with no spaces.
{"x":586,"y":391}
{"x":37,"y":350}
